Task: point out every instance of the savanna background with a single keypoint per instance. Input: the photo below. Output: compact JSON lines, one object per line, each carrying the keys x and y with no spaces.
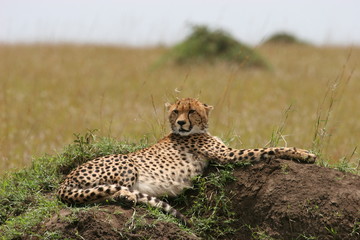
{"x":309,"y":98}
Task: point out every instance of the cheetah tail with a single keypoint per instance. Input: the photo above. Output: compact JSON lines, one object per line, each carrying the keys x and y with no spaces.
{"x":155,"y":202}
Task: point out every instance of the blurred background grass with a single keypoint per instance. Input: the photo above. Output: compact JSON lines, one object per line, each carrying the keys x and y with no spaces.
{"x":50,"y":92}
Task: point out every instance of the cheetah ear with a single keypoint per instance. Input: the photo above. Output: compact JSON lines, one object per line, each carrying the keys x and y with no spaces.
{"x":208,"y":108}
{"x":168,"y":105}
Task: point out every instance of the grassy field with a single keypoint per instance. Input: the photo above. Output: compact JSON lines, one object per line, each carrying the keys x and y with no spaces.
{"x":47,"y":93}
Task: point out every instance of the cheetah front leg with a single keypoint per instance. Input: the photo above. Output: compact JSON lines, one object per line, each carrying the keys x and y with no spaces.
{"x":291,"y":153}
{"x":219,"y":152}
{"x":254,"y":155}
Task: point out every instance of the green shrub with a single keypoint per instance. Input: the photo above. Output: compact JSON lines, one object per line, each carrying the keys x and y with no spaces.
{"x":283,"y":38}
{"x":207,"y":46}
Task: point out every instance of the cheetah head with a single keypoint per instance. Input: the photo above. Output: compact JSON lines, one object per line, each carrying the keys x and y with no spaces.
{"x":188,"y":116}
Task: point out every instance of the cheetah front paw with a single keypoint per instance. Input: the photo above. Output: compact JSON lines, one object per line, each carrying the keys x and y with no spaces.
{"x":130,"y":198}
{"x":126,"y":195}
{"x":301,"y":155}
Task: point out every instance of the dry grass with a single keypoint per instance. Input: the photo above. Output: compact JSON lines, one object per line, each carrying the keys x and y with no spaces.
{"x":47,"y":93}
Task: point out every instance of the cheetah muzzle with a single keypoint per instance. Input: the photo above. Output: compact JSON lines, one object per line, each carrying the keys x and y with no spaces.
{"x":165,"y":168}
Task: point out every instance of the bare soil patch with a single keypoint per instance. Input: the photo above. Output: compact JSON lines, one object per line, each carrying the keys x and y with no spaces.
{"x":288,"y":200}
{"x":112,"y":222}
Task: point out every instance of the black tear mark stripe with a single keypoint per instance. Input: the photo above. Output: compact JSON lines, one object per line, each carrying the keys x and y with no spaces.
{"x":190,"y":127}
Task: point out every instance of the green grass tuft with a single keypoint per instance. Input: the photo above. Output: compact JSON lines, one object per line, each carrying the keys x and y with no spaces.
{"x":27,"y":196}
{"x":211,"y":210}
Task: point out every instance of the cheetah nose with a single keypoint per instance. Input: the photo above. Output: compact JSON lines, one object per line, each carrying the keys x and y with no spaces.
{"x":181,"y":122}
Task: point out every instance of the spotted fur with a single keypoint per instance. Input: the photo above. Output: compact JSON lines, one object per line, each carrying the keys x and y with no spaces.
{"x":166,"y":168}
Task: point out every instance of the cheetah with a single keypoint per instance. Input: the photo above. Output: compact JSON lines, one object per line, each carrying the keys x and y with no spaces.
{"x":166,"y":168}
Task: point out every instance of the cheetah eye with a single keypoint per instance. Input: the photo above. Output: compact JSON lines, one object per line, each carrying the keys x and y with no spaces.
{"x":175,"y":111}
{"x":191,"y":111}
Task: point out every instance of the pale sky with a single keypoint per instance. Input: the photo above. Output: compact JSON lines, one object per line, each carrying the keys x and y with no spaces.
{"x":153,"y":22}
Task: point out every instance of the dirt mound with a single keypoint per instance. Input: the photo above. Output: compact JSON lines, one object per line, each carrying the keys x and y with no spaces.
{"x":287,"y":200}
{"x":111,"y":222}
{"x":280,"y":199}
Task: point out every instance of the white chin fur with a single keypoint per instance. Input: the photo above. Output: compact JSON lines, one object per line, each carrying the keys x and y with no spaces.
{"x":194,"y":130}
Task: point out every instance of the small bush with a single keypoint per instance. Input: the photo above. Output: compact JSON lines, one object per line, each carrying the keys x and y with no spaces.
{"x":283,"y":38}
{"x":206,"y":46}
